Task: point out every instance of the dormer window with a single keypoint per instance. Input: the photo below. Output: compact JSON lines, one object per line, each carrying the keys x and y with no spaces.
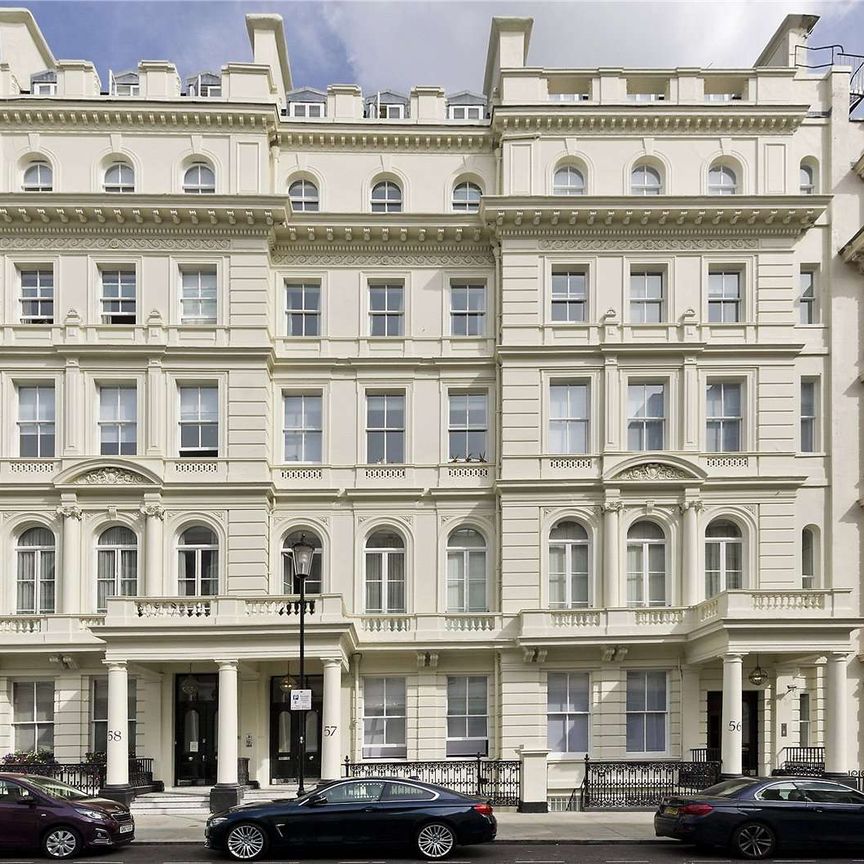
{"x":125,"y":84}
{"x":306,"y":109}
{"x":465,"y":112}
{"x":207,"y":85}
{"x":44,"y":83}
{"x":387,"y":105}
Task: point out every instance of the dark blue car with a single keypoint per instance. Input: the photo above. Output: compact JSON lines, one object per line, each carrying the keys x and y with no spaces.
{"x":372,"y":811}
{"x":753,"y":817}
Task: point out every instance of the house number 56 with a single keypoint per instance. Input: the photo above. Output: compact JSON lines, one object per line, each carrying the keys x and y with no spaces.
{"x":330,"y":730}
{"x":734,"y":725}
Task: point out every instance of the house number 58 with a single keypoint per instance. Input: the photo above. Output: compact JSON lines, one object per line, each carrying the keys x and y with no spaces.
{"x":115,"y":735}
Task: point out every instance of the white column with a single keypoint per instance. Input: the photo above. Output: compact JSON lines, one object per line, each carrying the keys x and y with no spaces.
{"x":331,"y":721}
{"x":117,"y":749}
{"x":836,"y":749}
{"x":70,"y":559}
{"x":226,"y":767}
{"x":153,"y":513}
{"x":730,"y":741}
{"x":690,"y":579}
{"x":611,"y":569}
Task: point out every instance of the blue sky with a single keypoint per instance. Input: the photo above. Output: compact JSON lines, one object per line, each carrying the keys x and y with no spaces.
{"x":401,"y":43}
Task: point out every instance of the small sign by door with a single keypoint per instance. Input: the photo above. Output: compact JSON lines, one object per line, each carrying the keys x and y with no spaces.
{"x":301,"y":700}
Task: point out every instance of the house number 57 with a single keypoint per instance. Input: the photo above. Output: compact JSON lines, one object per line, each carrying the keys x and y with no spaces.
{"x":330,"y":730}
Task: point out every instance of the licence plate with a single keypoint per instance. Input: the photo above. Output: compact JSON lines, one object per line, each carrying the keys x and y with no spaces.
{"x":670,"y":811}
{"x":127,"y":829}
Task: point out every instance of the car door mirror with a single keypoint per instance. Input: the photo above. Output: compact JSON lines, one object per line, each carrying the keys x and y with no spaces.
{"x":317,"y":800}
{"x":26,"y":799}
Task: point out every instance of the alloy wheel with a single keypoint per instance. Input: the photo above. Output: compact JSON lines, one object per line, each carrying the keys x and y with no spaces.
{"x":754,"y":841}
{"x":246,"y":842}
{"x":61,"y":843}
{"x":435,"y":841}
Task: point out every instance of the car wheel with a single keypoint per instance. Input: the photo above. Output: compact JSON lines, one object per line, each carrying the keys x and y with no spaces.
{"x":61,"y":842}
{"x":753,"y":840}
{"x":246,"y":842}
{"x":435,"y":841}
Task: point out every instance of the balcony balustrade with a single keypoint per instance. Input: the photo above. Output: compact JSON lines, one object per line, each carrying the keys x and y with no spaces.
{"x":548,"y":625}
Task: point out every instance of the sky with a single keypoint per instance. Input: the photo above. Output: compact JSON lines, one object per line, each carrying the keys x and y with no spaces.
{"x":402,"y":43}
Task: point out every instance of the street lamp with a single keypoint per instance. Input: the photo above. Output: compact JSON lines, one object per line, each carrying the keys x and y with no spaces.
{"x":302,"y":554}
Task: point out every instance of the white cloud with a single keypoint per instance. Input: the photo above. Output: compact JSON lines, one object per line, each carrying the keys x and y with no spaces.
{"x":405,"y":43}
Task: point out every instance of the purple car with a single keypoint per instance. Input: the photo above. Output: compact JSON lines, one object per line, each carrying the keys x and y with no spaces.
{"x":38,"y":812}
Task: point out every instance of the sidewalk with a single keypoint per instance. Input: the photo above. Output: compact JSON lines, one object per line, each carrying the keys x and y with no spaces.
{"x":597,"y":827}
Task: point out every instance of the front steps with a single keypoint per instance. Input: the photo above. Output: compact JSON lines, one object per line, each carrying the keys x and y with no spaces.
{"x":195,"y":800}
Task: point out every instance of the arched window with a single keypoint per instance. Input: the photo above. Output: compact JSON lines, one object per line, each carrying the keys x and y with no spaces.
{"x":723,"y":557}
{"x":645,"y":180}
{"x":290,"y":584}
{"x":303,"y":195}
{"x":120,"y":177}
{"x":646,"y":565}
{"x":35,"y":554}
{"x":386,"y":197}
{"x":569,"y":586}
{"x":116,"y":565}
{"x":568,"y":180}
{"x":38,"y":177}
{"x":466,"y":197}
{"x":385,"y":572}
{"x":199,"y":179}
{"x":466,"y":571}
{"x":198,"y":565}
{"x":807,"y":179}
{"x":808,"y":559}
{"x":722,"y":180}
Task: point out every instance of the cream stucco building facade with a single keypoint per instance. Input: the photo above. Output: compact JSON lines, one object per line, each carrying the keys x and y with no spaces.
{"x":562,"y":379}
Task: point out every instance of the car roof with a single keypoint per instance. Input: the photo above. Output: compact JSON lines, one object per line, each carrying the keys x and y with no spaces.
{"x":390,"y":779}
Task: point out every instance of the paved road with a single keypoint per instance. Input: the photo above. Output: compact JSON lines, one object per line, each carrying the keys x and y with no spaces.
{"x":490,"y":854}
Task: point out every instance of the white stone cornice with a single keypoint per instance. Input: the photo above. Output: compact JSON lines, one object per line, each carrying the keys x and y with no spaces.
{"x":654,"y":118}
{"x":137,"y":115}
{"x":408,"y":138}
{"x":621,"y":215}
{"x":260,"y":212}
{"x":853,"y":251}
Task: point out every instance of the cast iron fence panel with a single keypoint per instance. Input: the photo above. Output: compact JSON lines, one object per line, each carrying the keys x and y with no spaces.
{"x":643,"y":784}
{"x":89,"y":777}
{"x":497,"y":780}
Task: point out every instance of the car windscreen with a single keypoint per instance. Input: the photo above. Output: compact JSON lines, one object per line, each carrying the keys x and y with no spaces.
{"x":727,"y":788}
{"x":56,"y":789}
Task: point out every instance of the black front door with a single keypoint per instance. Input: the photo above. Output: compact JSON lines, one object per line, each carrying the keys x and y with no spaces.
{"x":285,"y":726}
{"x":749,"y":728}
{"x":195,"y":724}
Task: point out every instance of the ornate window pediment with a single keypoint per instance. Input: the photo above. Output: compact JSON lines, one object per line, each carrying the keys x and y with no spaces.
{"x":652,"y":470}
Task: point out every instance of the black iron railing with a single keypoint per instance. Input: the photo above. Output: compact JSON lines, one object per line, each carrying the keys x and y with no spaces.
{"x":141,"y":772}
{"x":497,"y":780}
{"x":87,"y":776}
{"x":705,"y":754}
{"x":804,"y":755}
{"x":643,"y":784}
{"x":243,"y":771}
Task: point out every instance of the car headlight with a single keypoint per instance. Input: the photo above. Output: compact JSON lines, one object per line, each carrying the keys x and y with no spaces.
{"x":95,"y":815}
{"x":216,"y":820}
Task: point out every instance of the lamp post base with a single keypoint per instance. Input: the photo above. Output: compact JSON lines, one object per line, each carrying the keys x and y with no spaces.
{"x":225,"y":795}
{"x":124,"y":794}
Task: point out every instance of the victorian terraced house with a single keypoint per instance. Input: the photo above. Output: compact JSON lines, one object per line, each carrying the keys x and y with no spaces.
{"x":559,"y":379}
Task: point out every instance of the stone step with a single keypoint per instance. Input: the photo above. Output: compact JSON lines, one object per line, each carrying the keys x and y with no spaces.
{"x":198,"y":800}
